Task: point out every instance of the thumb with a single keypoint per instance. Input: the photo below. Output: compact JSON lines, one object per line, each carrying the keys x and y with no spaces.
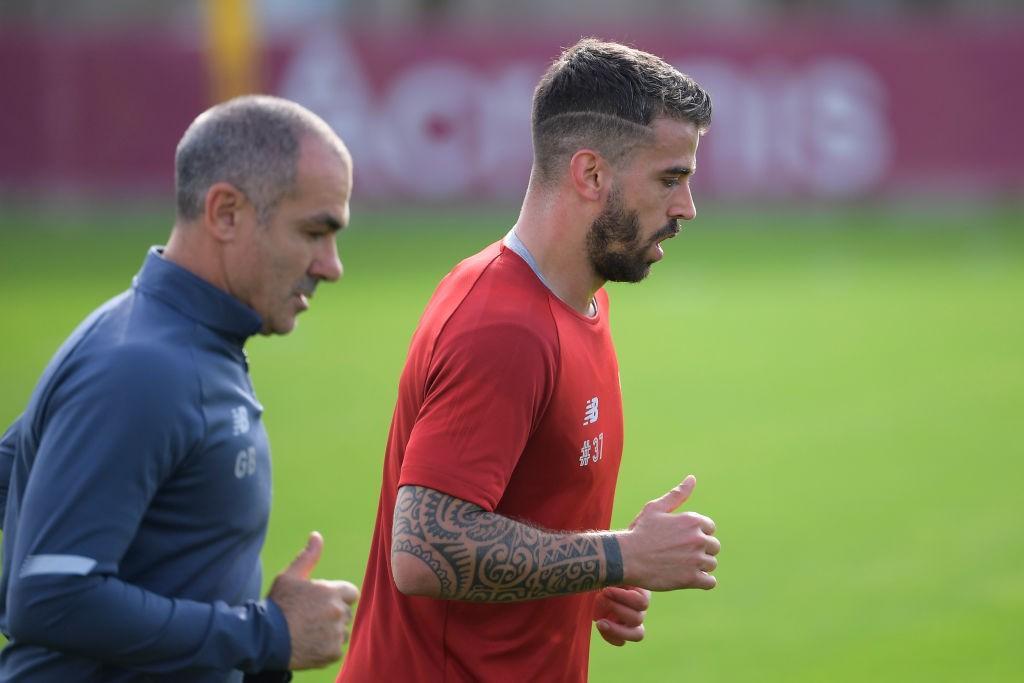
{"x":304,"y":563}
{"x":348,"y":591}
{"x":675,"y":497}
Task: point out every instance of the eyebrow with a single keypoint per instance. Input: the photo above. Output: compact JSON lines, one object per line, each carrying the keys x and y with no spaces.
{"x":680,"y":170}
{"x":325,"y":219}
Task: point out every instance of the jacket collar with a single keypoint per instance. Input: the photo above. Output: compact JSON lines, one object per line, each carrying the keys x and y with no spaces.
{"x":196,"y":298}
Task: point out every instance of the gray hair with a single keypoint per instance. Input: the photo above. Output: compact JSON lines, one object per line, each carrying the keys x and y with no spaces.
{"x":251,"y":142}
{"x":605,"y":96}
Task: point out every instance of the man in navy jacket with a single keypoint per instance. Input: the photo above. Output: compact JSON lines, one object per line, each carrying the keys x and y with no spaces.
{"x":136,"y":483}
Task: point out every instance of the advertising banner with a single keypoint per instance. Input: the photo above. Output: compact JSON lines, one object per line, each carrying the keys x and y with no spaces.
{"x":805,"y":111}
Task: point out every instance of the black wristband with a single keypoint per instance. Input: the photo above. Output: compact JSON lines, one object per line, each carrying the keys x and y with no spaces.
{"x":612,"y":560}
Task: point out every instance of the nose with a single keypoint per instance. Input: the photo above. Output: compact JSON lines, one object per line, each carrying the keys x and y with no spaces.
{"x":327,"y":265}
{"x":682,"y":204}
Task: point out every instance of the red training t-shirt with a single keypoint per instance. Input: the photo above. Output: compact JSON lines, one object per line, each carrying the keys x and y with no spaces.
{"x":509,"y":399}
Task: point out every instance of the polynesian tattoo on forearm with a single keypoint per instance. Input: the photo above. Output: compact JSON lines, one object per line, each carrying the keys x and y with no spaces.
{"x":482,"y":556}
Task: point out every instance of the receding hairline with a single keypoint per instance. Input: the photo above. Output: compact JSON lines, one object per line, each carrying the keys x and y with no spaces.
{"x":239,"y":127}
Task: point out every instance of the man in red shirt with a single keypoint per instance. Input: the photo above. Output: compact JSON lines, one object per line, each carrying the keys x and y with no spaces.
{"x":507,"y":433}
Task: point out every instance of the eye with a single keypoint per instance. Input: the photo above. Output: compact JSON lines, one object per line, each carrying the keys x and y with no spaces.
{"x":671,"y":181}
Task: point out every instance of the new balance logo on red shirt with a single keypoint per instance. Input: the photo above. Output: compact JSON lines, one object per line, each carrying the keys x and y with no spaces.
{"x":591,"y":450}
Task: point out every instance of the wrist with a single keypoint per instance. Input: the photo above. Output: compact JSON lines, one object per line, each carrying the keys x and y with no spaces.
{"x":614,"y":566}
{"x":280,"y":636}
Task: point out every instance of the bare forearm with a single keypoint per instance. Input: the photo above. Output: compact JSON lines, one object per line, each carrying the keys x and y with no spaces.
{"x":484,"y":557}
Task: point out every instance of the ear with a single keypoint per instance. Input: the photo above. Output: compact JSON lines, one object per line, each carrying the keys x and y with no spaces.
{"x":589,"y":174}
{"x":225,"y":209}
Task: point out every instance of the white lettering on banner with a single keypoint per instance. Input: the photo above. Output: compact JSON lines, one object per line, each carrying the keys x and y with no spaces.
{"x":326,"y":76}
{"x":821,"y":130}
{"x":430,"y":115}
{"x":505,"y":136}
{"x":849,"y":137}
{"x":447,"y":128}
{"x":440,"y":129}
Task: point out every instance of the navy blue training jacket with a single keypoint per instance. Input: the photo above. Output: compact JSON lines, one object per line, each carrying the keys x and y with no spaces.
{"x":137,"y":491}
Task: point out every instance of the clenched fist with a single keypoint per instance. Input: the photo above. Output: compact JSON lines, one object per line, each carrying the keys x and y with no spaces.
{"x":317,"y":611}
{"x":665,"y":551}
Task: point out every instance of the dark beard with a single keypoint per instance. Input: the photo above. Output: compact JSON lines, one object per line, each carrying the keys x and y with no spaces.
{"x":613,"y":243}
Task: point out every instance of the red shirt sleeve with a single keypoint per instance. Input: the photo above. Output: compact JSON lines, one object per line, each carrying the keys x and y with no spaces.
{"x":487,"y":388}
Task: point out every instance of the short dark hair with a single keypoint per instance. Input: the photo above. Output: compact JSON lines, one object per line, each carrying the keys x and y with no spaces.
{"x":606,"y":95}
{"x":252,"y":142}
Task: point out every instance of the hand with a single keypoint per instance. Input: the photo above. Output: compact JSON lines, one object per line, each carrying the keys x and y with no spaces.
{"x":317,"y":611}
{"x":619,"y":612}
{"x":662,"y":551}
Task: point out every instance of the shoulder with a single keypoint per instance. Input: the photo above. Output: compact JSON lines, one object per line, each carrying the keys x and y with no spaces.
{"x":112,"y":348}
{"x":506,"y":294}
{"x":153,"y":377}
{"x":138,"y":340}
{"x":495,"y":338}
{"x":139,"y":361}
{"x":491,"y":300}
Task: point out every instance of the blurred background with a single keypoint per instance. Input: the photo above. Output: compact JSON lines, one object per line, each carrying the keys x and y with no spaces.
{"x":835,"y":347}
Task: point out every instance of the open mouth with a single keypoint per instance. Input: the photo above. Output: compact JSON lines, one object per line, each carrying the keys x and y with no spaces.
{"x":669,"y":234}
{"x":661,"y":237}
{"x":305,"y":292}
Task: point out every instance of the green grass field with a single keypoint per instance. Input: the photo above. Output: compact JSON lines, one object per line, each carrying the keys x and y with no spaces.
{"x":847,"y":385}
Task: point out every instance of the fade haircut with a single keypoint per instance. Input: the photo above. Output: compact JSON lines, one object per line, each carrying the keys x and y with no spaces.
{"x":251,"y":142}
{"x":605,"y":96}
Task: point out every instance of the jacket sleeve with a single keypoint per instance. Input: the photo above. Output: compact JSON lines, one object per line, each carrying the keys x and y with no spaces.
{"x":111,"y":432}
{"x":7,"y":442}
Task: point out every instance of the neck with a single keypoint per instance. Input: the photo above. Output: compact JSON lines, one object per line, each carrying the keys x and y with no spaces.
{"x":556,"y":236}
{"x":185,"y":248}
